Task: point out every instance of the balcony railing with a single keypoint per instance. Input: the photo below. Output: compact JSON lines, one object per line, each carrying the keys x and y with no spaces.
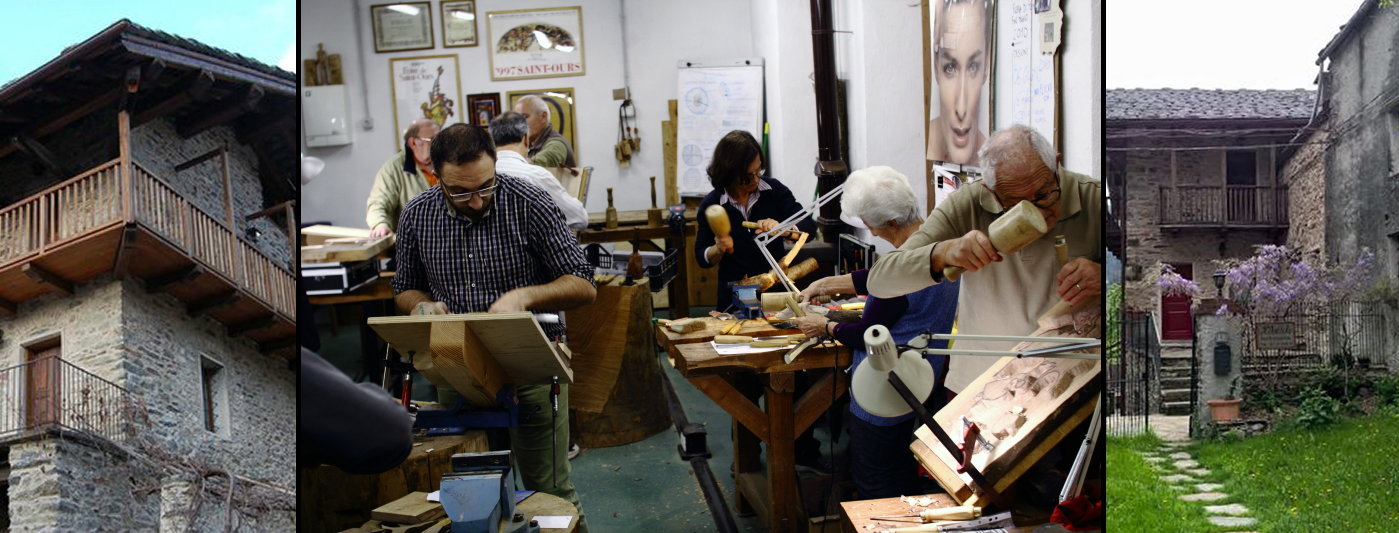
{"x":50,"y":393}
{"x":99,"y":199}
{"x":1242,"y":206}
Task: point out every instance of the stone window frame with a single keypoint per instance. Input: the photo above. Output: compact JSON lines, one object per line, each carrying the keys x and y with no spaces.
{"x":213,"y":381}
{"x":1392,"y":118}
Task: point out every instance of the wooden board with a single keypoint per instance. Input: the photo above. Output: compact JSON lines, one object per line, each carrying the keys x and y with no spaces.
{"x":634,"y":218}
{"x":854,"y":516}
{"x":410,"y":509}
{"x":700,"y":359}
{"x":513,"y":340}
{"x":712,"y":326}
{"x":332,"y":501}
{"x":346,"y":251}
{"x":1053,"y":393}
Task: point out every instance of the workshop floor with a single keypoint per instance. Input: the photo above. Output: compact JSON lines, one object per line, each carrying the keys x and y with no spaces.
{"x":641,"y":487}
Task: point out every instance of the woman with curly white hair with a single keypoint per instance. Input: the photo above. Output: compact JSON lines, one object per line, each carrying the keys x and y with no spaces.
{"x":881,"y":463}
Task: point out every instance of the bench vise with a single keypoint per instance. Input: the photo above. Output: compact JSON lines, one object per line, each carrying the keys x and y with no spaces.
{"x":462,"y":417}
{"x":480,"y":492}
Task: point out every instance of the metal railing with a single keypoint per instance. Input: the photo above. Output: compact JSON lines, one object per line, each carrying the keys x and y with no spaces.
{"x":51,"y":393}
{"x":1342,"y":334}
{"x":1234,"y":205}
{"x":96,"y":199}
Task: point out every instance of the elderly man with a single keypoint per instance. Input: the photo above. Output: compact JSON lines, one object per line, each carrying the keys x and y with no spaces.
{"x":484,"y":242}
{"x":547,"y":148}
{"x":401,"y":178}
{"x":1003,"y":295}
{"x":509,"y":131}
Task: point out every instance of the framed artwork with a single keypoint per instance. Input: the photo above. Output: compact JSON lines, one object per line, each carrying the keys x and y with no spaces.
{"x":959,"y":67}
{"x":483,"y":107}
{"x":560,"y":102}
{"x":458,"y":24}
{"x":535,"y":43}
{"x":399,"y":27}
{"x":424,"y":87}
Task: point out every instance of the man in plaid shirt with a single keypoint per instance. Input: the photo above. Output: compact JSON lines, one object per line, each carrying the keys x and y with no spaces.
{"x":484,"y":242}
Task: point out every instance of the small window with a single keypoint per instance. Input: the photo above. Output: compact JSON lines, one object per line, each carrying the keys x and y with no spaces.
{"x":212,"y":378}
{"x":1394,"y":141}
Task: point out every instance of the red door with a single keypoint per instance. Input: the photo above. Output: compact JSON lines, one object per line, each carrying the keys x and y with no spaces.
{"x":43,"y":385}
{"x":1176,"y":323}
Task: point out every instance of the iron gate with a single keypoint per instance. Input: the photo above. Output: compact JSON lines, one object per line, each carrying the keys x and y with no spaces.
{"x":1130,"y":360}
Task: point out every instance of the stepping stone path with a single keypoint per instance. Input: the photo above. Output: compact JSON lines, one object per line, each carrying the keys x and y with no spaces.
{"x":1181,"y":472}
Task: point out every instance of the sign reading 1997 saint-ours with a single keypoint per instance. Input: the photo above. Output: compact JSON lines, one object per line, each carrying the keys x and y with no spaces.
{"x":535,"y":43}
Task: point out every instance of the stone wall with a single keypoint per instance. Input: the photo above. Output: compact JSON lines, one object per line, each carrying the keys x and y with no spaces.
{"x":258,"y":438}
{"x":1148,"y":244}
{"x":158,"y":148}
{"x":1305,"y":176}
{"x":149,"y":345}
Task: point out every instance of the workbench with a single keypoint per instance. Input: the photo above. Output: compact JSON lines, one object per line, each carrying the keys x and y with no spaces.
{"x":855,"y":516}
{"x":774,"y":496}
{"x":626,"y":231}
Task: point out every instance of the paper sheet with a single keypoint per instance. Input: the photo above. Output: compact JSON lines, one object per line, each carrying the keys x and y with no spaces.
{"x":553,"y":522}
{"x":741,"y":349}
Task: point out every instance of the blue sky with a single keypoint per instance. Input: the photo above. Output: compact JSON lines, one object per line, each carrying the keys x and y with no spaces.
{"x":34,"y":32}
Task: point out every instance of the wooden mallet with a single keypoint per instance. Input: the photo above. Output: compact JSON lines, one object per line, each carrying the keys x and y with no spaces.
{"x":1019,"y":226}
{"x":718,"y":220}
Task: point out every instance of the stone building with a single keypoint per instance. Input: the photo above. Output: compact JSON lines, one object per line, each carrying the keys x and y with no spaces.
{"x":1346,"y":174}
{"x":146,"y":297}
{"x":1197,"y":171}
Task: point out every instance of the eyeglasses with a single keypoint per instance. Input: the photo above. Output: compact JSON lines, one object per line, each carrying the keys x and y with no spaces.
{"x":425,"y":140}
{"x":466,"y":196}
{"x":751,"y":176}
{"x":1044,"y":201}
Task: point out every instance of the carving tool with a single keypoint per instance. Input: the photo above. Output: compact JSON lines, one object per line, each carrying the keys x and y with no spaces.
{"x":554,"y":430}
{"x":654,"y":216}
{"x":1019,"y":226}
{"x":611,"y":211}
{"x":1061,"y":249}
{"x":789,"y":233}
{"x":999,"y":520}
{"x":961,"y":512}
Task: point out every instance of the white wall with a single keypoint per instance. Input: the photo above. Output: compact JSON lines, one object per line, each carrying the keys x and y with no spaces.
{"x":881,"y":59}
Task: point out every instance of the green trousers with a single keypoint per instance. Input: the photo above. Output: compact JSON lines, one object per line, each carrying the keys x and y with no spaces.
{"x":533,"y":443}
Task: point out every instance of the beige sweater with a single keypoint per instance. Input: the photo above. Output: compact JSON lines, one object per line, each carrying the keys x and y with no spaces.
{"x":1004,"y":298}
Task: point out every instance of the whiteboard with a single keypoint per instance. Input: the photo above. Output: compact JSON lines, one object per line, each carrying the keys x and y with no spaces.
{"x":1032,"y":73}
{"x":713,"y":100}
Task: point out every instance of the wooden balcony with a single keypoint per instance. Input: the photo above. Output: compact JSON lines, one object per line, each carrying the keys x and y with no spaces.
{"x":101,"y":221}
{"x":1218,"y":207}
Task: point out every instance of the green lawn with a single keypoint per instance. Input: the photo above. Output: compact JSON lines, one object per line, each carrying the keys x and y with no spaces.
{"x":1339,"y":478}
{"x":1138,"y":501}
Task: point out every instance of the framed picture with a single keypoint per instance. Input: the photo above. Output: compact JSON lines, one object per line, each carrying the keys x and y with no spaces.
{"x":424,"y":87}
{"x":458,"y":24}
{"x":560,"y":102}
{"x":535,"y":43}
{"x":959,"y":65}
{"x":483,"y":107}
{"x":399,"y":27}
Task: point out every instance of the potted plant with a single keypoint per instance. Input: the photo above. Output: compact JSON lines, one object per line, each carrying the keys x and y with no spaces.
{"x":1227,"y":408}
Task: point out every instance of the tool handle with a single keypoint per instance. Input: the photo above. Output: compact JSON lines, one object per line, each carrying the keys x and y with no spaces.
{"x":953,"y":272}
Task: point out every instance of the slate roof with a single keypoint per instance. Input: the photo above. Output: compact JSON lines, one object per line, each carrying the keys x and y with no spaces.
{"x":1133,"y":104}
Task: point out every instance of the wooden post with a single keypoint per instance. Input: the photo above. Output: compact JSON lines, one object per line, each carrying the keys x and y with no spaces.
{"x":124,"y":142}
{"x":227,"y":191}
{"x":291,"y":234}
{"x":672,"y":191}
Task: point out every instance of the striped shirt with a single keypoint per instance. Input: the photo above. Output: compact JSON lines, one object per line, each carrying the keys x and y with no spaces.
{"x":520,"y":241}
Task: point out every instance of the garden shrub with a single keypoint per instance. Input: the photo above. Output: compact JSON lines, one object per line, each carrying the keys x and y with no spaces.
{"x":1387,"y":389}
{"x":1318,"y":409}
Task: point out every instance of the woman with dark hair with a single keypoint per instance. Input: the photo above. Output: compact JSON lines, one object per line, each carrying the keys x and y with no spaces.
{"x":736,"y":171}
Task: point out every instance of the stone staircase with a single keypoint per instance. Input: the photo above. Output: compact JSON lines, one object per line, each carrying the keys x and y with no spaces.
{"x":1174,"y":377}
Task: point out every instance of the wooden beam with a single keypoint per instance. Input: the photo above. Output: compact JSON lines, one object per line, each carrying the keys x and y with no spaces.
{"x":270,"y":211}
{"x":196,"y":88}
{"x":220,"y":113}
{"x":200,"y":159}
{"x":214,"y":302}
{"x":59,"y":120}
{"x":34,"y":148}
{"x":133,"y":84}
{"x":128,"y":244}
{"x":7,"y":307}
{"x":738,"y":405}
{"x":252,"y":325}
{"x":48,"y":278}
{"x":153,"y":71}
{"x":165,"y":281}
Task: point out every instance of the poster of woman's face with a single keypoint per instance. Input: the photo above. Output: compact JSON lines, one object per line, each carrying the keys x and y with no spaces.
{"x":961,"y":56}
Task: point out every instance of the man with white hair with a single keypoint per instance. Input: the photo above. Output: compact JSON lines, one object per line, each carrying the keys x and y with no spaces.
{"x":547,"y":148}
{"x":1003,"y":295}
{"x":509,"y":131}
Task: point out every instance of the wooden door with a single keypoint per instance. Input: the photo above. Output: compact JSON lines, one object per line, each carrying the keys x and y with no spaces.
{"x":42,"y":384}
{"x":1176,"y":323}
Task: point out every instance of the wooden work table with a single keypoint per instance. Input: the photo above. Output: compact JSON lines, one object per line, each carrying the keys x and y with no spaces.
{"x":774,"y":496}
{"x":628,"y":230}
{"x":855,"y":516}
